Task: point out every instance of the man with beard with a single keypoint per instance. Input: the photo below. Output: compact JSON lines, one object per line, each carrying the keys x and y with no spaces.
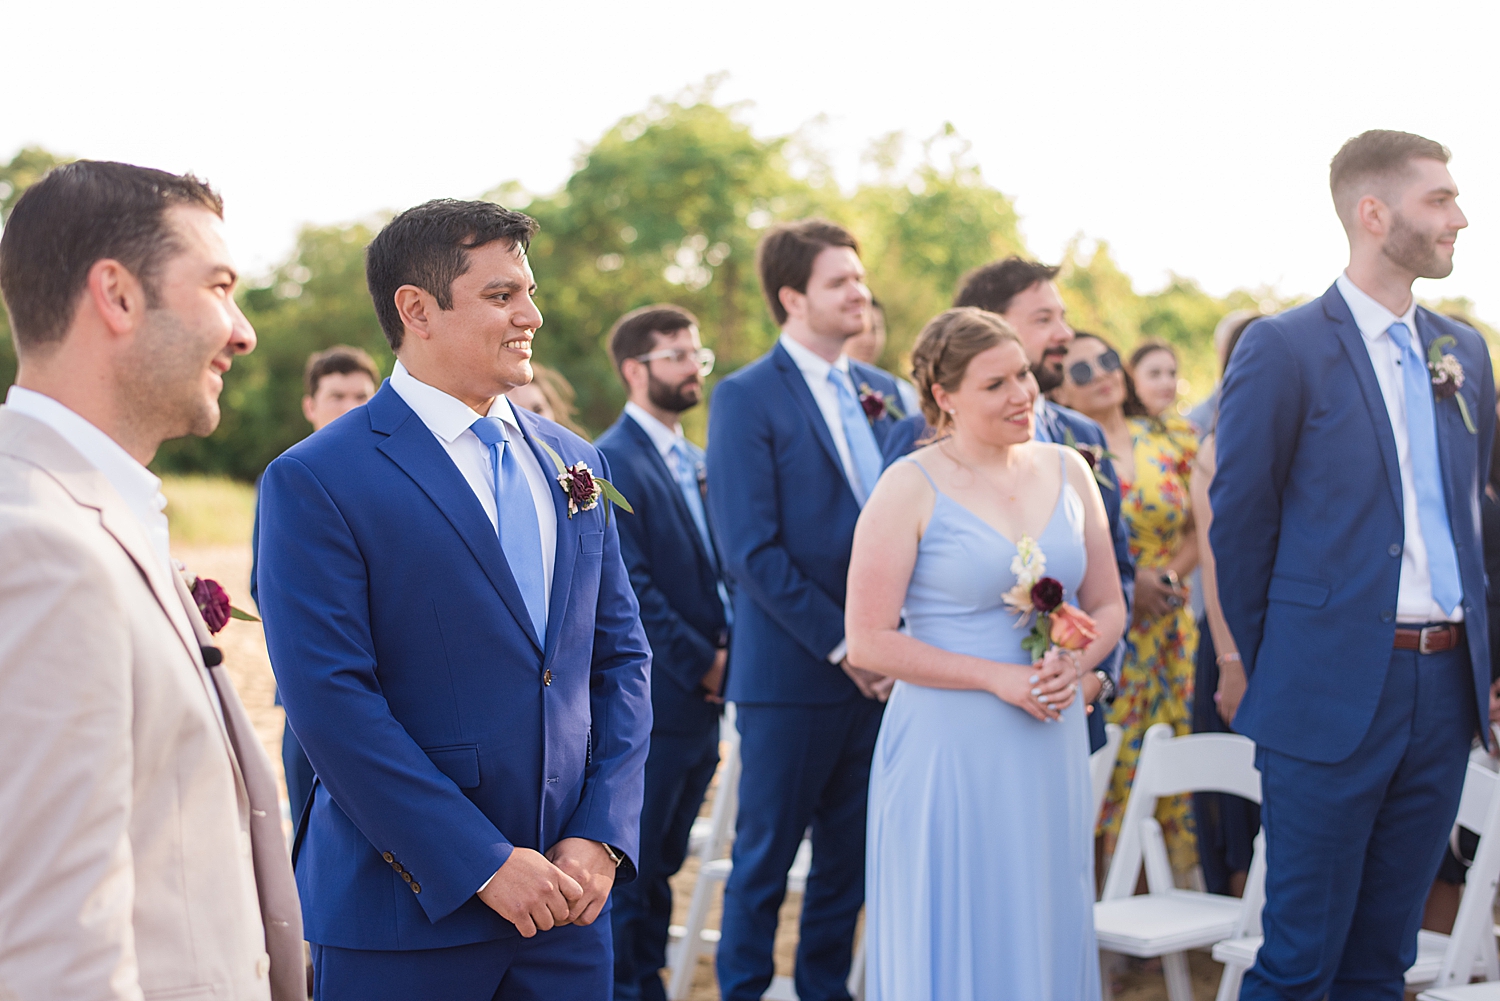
{"x":1025,"y":294}
{"x":794,"y":449}
{"x":1353,"y":443}
{"x":674,"y":566}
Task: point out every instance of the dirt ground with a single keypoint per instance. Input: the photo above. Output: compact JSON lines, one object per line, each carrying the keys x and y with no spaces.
{"x":244,"y":648}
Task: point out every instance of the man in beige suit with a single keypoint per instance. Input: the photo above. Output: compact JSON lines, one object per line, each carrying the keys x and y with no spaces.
{"x":138,"y":814}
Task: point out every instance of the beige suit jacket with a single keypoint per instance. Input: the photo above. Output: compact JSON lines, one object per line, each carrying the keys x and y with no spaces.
{"x":138,"y":814}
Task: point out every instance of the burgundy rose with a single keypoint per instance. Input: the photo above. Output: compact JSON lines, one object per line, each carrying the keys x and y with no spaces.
{"x":873,"y":404}
{"x":1445,"y":388}
{"x":1090,"y":454}
{"x":1046,"y":594}
{"x":583,"y":489}
{"x":212,"y":603}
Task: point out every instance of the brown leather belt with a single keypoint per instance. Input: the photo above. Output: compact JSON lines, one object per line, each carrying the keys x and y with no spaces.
{"x":1430,"y":639}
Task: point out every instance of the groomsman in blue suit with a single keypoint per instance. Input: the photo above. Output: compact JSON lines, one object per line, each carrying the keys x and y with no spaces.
{"x":1025,"y":294}
{"x":1354,"y":441}
{"x":794,"y":449}
{"x":674,"y":566}
{"x":458,"y":648}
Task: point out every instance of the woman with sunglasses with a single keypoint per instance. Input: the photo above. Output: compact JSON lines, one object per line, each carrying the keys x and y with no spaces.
{"x":1152,"y":456}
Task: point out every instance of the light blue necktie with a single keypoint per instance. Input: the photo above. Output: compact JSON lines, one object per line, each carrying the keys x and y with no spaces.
{"x":1427,"y":474}
{"x":687,"y":482}
{"x":861,"y":440}
{"x":520,"y":532}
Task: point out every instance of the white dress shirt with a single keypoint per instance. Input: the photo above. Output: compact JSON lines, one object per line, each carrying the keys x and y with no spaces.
{"x":449,"y":419}
{"x":815,"y":370}
{"x":1414,"y":602}
{"x":136,"y":485}
{"x":664,"y":438}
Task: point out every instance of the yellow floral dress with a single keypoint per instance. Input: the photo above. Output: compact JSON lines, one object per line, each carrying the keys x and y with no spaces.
{"x":1156,"y":680}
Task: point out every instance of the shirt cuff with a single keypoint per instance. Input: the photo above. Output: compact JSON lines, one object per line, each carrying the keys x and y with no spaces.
{"x":487,"y":883}
{"x":839,"y":652}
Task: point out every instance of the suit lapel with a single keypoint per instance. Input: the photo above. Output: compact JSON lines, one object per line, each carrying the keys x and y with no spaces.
{"x":796,"y":384}
{"x":1353,"y":343}
{"x":565,"y":554}
{"x":1449,"y":423}
{"x":668,"y":482}
{"x":414,"y":448}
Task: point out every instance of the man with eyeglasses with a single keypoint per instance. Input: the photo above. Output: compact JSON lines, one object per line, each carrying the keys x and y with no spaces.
{"x":1025,"y":294}
{"x":675,"y":570}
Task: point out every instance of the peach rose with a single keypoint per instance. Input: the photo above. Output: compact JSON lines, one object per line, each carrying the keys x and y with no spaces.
{"x":1072,"y":629}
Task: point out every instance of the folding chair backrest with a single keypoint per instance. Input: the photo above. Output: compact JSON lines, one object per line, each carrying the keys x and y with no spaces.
{"x":1102,"y":767}
{"x":1473,"y":937}
{"x":1170,"y":766}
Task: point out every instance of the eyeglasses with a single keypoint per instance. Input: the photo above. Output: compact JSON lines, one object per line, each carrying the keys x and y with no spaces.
{"x":703,"y":356}
{"x":1082,"y":372}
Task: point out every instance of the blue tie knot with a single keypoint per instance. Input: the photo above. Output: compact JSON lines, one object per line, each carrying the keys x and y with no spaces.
{"x":1400,"y":336}
{"x":490,"y":430}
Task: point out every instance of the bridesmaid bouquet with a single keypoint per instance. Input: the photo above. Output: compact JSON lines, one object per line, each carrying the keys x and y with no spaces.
{"x":1056,"y":623}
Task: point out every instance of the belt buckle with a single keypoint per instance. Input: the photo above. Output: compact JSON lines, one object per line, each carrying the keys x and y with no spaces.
{"x":1428,"y":631}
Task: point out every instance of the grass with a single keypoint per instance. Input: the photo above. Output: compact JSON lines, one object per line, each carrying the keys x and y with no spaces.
{"x":209,"y":510}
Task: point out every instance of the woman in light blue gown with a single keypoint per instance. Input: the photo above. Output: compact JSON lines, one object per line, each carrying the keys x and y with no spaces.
{"x":979,"y":864}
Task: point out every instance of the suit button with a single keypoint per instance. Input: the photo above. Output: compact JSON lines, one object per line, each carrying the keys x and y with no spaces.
{"x":406,"y":876}
{"x":1387,"y":616}
{"x":416,"y":888}
{"x":397,"y":867}
{"x":262,"y":966}
{"x":547,"y":676}
{"x":388,"y":857}
{"x":1395,"y":550}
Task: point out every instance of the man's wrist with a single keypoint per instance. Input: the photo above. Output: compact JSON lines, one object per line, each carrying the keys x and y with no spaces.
{"x":616,"y":857}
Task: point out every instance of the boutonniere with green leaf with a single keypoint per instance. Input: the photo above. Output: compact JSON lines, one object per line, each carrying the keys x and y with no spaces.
{"x":213,"y":602}
{"x":582,"y":487}
{"x":1448,"y":378}
{"x":1093,"y":455}
{"x":876,"y":405}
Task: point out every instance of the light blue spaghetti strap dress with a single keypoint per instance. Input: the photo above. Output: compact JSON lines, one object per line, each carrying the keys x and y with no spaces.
{"x":980,"y":859}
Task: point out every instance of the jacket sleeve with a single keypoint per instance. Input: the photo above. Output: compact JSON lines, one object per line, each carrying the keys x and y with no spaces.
{"x":677,"y":648}
{"x":1260,"y":417}
{"x":743,"y":495}
{"x":609,"y":809}
{"x":314,"y":598}
{"x":66,"y":906}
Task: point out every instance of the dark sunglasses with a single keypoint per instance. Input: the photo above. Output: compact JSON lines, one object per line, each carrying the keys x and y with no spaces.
{"x":1082,"y":373}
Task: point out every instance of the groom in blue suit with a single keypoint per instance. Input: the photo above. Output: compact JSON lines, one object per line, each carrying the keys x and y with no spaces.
{"x":794,"y":449}
{"x":675,"y":568}
{"x":1353,"y":440}
{"x":458,"y":649}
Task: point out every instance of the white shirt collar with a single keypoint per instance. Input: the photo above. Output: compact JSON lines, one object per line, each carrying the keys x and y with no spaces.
{"x":814,"y":369}
{"x":445,"y":416}
{"x":136,"y":485}
{"x":1371,"y":317}
{"x":663,"y":437}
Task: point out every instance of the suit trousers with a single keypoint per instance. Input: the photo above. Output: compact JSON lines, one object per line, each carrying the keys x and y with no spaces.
{"x":678,"y":771}
{"x":1352,"y":847}
{"x":803,"y":766}
{"x":570,"y":962}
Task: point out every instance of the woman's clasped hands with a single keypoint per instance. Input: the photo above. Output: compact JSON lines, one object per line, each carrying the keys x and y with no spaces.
{"x":1045,"y":688}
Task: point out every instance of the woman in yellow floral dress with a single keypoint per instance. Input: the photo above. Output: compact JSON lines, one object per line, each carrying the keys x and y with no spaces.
{"x":1154,"y":456}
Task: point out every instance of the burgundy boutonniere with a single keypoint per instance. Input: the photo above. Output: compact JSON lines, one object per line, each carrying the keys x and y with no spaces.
{"x":583,"y":486}
{"x":213,"y":603}
{"x":1093,"y":455}
{"x":1447,"y":374}
{"x":875,"y":404}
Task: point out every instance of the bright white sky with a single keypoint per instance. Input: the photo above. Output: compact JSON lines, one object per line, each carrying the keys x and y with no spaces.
{"x":1192,"y":136}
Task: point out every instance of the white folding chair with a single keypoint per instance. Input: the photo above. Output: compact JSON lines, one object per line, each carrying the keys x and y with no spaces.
{"x":1102,"y":768}
{"x":1442,"y":960}
{"x":1167,"y":921}
{"x":1469,"y":992}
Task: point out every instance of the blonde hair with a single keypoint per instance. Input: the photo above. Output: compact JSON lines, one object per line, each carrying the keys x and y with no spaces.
{"x":944,"y":349}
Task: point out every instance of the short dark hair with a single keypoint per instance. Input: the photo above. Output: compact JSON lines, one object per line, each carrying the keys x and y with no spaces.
{"x":341,"y":359}
{"x":992,"y":286}
{"x":78,"y":214}
{"x":1376,"y":155}
{"x":427,"y":246}
{"x":634,"y":334}
{"x":786,"y":254}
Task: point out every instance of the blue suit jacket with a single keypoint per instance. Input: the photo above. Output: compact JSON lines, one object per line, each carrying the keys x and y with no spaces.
{"x":785,"y":513}
{"x":414,"y":678}
{"x":1308,"y":529}
{"x":673,"y":577}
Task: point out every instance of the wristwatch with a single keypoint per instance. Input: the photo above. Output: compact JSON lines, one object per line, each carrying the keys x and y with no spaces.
{"x":1106,"y":686}
{"x":614,"y":856}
